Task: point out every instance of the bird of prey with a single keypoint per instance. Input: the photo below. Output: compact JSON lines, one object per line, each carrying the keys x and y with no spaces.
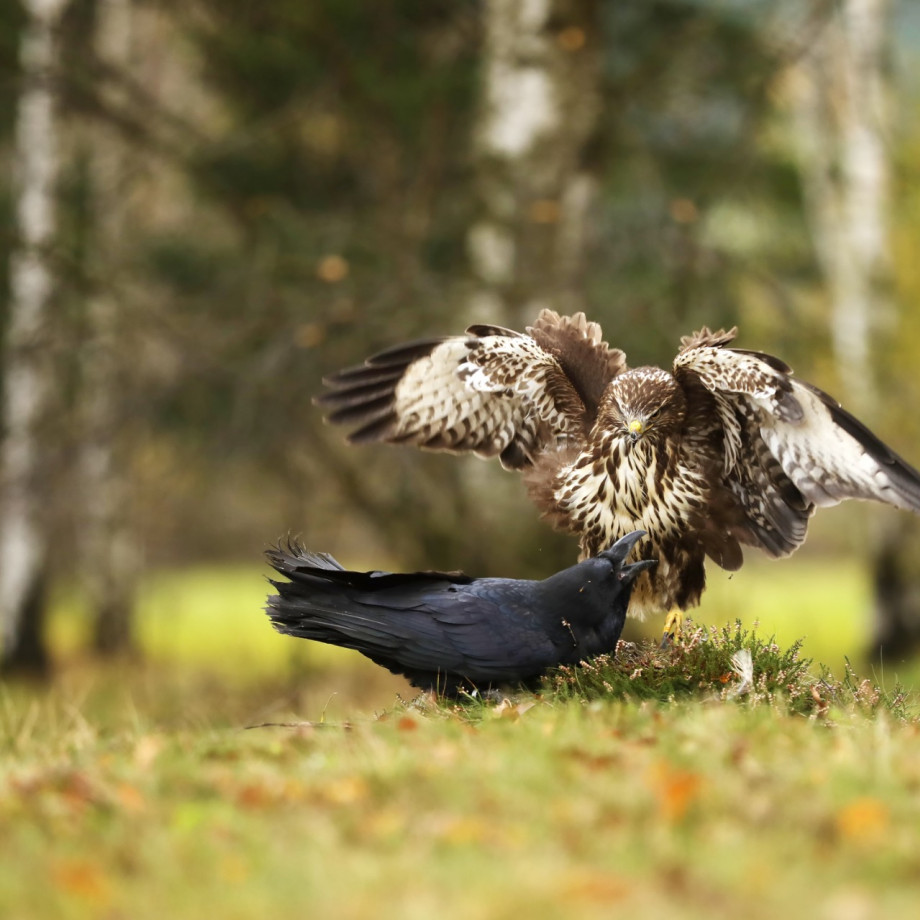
{"x":446,"y":631}
{"x":725,"y":448}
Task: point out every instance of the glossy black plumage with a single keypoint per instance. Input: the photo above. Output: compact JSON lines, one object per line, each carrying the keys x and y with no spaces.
{"x":449,"y":631}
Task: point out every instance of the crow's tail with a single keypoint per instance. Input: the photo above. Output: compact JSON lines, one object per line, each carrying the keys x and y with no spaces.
{"x":382,"y":615}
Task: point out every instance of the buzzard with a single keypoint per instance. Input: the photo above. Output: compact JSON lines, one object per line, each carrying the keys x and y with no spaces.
{"x":725,"y":449}
{"x":446,"y":631}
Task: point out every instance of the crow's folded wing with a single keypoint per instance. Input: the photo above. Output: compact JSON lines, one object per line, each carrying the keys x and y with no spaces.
{"x":414,"y":629}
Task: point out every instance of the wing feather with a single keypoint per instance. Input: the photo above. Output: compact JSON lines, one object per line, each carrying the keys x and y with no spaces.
{"x":831,"y":456}
{"x":577,"y":343}
{"x":492,"y":391}
{"x":790,"y":446}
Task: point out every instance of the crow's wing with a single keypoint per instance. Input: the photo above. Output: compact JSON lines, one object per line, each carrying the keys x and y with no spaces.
{"x":416,"y":625}
{"x":788,"y":446}
{"x":491,"y":392}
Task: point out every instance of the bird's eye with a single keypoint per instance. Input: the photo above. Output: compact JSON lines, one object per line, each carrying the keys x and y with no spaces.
{"x":656,"y":413}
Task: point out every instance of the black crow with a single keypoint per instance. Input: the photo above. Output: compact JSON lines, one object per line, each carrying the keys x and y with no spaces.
{"x":446,"y":631}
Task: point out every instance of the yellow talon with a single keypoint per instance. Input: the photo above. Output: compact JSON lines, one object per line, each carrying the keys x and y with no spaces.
{"x":672,"y":626}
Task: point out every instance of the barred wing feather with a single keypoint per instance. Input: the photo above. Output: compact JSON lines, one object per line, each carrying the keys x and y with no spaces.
{"x":496,"y":393}
{"x":824,"y":451}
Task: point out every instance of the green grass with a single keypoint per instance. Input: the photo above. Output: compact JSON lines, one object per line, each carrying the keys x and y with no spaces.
{"x":644,"y":784}
{"x":825,"y":603}
{"x":119,"y":800}
{"x":209,"y":618}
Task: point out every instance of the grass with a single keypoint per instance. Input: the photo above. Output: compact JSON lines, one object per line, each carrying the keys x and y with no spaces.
{"x":824,"y":603}
{"x":116,"y":802}
{"x":659,"y":783}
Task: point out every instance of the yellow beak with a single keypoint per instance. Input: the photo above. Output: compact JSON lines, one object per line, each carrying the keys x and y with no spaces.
{"x":635,"y":426}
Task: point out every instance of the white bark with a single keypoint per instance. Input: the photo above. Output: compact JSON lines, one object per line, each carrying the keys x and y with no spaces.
{"x":539,"y":108}
{"x":842,"y":127}
{"x":28,"y":389}
{"x":108,"y":558}
{"x":842,"y":131}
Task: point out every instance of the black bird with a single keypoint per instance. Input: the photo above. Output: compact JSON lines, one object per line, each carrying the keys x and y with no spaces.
{"x":446,"y":631}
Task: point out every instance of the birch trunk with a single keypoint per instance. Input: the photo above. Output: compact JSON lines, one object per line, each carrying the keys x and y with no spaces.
{"x":107,"y":554}
{"x":841,"y":128}
{"x":538,"y":116}
{"x":842,"y":124}
{"x":28,"y":369}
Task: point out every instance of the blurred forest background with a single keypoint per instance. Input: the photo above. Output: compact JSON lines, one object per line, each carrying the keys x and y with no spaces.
{"x":208,"y":205}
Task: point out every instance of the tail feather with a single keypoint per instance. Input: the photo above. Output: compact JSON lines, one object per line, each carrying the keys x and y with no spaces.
{"x":403,"y":641}
{"x":379,"y":614}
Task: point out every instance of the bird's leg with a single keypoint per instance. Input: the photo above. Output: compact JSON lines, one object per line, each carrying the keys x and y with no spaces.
{"x":672,"y":626}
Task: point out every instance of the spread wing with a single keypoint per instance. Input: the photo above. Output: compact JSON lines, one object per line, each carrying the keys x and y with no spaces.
{"x":787,"y":445}
{"x":491,"y":392}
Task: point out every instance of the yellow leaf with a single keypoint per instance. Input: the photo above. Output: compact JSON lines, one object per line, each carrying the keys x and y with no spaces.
{"x":130,"y":798}
{"x":146,"y":750}
{"x":332,"y":268}
{"x":83,"y":879}
{"x":347,"y":790}
{"x":864,"y":819}
{"x":676,"y":790}
{"x":594,"y":886}
{"x":463,"y":830}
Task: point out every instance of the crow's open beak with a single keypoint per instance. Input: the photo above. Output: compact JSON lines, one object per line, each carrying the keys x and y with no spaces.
{"x":632,"y":571}
{"x":622,"y":548}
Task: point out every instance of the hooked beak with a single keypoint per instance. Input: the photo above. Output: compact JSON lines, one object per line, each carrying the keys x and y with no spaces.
{"x":621,"y":549}
{"x":636,"y":428}
{"x":631,"y":572}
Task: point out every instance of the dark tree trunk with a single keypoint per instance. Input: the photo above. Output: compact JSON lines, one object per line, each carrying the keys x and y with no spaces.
{"x":29,"y":657}
{"x":896,"y":591}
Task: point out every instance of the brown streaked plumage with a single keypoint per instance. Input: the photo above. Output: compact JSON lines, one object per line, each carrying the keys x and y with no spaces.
{"x":725,"y":449}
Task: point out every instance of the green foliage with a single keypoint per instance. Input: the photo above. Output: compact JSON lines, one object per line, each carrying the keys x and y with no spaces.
{"x":328,"y":93}
{"x":701,"y":210}
{"x":698,"y":663}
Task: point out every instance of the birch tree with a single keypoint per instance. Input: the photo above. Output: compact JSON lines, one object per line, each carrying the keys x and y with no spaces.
{"x":843,"y":126}
{"x":107,"y":553}
{"x":539,"y":112}
{"x":28,"y":369}
{"x":842,"y":130}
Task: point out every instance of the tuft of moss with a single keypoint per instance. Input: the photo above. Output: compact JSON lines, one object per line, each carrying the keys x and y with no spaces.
{"x":725,"y":663}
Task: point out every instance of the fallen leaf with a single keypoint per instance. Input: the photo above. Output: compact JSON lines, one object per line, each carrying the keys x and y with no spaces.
{"x":83,"y":879}
{"x":675,"y":789}
{"x":513,"y":711}
{"x":256,"y":796}
{"x":347,"y":790}
{"x":234,"y":870}
{"x":598,"y":887}
{"x":864,"y":819}
{"x":463,"y":830}
{"x":146,"y":750}
{"x":130,"y":798}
